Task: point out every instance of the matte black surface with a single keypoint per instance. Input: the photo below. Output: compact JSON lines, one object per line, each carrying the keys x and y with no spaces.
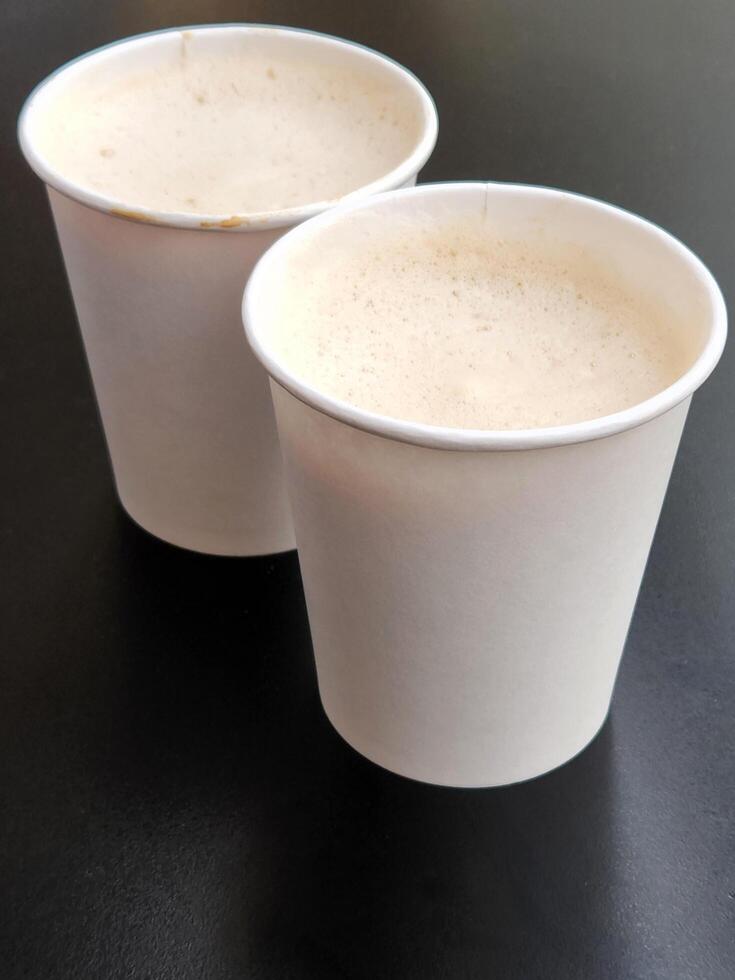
{"x":175,"y":805}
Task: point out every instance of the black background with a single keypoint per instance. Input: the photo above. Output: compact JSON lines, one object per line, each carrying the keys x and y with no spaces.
{"x":175,"y":805}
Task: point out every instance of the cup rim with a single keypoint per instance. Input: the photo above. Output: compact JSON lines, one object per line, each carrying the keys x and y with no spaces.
{"x":445,"y":437}
{"x":252,"y":221}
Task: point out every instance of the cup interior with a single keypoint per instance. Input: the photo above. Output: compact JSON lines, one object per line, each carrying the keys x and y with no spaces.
{"x":638,"y":254}
{"x":103,"y":69}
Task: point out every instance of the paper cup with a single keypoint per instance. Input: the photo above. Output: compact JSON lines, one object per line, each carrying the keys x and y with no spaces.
{"x":185,"y":407}
{"x":469,"y":592}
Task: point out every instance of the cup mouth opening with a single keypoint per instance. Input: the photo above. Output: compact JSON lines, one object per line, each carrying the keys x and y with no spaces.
{"x":458,"y":439}
{"x":405,"y":171}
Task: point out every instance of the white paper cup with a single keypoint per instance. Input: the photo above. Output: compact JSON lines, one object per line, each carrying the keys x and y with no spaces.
{"x":185,"y":406}
{"x":469,"y":592}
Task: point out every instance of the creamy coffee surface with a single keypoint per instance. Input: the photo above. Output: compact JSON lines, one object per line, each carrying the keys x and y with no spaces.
{"x":236,"y":132}
{"x":444,"y":324}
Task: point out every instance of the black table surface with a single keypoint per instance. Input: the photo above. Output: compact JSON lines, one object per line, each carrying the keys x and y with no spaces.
{"x":174,"y":803}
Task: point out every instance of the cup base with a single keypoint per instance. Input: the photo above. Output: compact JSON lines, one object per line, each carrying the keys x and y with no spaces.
{"x":211,"y":547}
{"x":479,"y":782}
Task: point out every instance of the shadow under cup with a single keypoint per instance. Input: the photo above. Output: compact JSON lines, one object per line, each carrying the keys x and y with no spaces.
{"x":185,"y":406}
{"x":469,"y":592}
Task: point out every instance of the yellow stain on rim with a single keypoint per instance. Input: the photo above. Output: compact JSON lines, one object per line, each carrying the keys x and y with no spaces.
{"x":133,"y":216}
{"x":234,"y":222}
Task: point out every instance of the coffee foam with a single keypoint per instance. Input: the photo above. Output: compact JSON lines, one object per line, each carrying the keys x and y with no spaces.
{"x":228,"y":133}
{"x":445,"y":324}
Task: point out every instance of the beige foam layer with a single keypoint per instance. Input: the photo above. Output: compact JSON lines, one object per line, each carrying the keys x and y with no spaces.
{"x":234,"y":132}
{"x":443,"y":324}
